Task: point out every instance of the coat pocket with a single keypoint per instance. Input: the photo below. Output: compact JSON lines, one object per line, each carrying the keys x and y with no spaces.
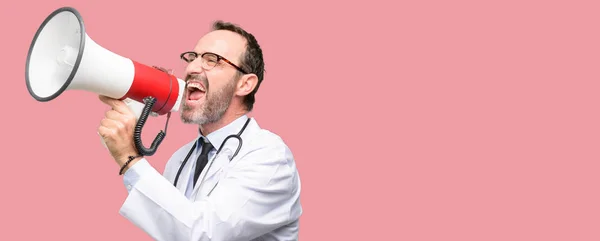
{"x":212,"y":181}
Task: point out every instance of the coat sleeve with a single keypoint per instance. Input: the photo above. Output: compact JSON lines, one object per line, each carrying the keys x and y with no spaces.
{"x":257,"y":195}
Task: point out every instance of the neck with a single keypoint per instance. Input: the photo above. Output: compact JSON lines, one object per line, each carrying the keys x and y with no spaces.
{"x":229,"y":116}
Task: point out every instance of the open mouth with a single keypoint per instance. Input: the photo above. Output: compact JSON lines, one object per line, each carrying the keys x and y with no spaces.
{"x":195,"y":91}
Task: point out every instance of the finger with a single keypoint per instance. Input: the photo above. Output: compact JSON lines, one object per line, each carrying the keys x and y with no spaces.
{"x":126,"y":120}
{"x":116,"y":104}
{"x":114,"y":115}
{"x":112,"y":124}
{"x":106,"y":100}
{"x":109,"y":101}
{"x":105,"y":132}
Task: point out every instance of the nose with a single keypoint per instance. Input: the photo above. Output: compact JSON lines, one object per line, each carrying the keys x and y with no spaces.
{"x":194,"y":67}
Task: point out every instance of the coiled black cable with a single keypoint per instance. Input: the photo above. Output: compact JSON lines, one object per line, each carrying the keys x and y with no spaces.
{"x":137,"y":135}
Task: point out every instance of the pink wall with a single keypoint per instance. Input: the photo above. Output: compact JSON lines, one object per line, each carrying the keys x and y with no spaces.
{"x":432,"y":120}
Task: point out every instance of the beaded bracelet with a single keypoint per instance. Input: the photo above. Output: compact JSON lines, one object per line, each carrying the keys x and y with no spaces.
{"x":129,"y":159}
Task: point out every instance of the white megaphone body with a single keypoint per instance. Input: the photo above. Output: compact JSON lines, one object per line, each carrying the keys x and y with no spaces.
{"x":63,"y":57}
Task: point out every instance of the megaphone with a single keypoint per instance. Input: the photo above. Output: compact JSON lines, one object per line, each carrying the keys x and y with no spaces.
{"x":63,"y":57}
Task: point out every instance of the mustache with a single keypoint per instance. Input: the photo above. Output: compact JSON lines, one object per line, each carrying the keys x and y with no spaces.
{"x":197,"y":77}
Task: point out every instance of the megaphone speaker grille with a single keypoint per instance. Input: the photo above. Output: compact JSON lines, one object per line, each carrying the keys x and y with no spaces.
{"x":55,"y":54}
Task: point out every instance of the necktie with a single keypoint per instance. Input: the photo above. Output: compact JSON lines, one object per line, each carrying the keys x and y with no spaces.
{"x":202,"y":159}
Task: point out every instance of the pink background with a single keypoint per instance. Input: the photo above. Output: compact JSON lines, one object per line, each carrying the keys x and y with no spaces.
{"x":420,"y":120}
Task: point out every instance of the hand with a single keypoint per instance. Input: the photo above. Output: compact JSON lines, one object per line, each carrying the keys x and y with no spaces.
{"x":117,"y":130}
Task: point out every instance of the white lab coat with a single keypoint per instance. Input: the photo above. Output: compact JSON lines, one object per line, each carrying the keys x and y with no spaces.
{"x":256,"y":196}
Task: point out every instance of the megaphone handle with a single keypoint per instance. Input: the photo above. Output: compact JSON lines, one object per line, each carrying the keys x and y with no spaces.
{"x":135,"y":107}
{"x":138,"y":109}
{"x":149,"y":102}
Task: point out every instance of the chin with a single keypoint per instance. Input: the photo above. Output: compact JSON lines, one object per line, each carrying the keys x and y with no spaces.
{"x":194,"y":117}
{"x":189,"y":115}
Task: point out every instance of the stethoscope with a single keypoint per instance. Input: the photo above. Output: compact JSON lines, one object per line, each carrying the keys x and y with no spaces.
{"x":236,"y":136}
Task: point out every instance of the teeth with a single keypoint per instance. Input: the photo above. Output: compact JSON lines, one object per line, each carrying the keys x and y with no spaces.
{"x":191,"y":86}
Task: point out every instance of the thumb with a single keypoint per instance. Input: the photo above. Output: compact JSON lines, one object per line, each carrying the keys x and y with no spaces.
{"x":115,"y":104}
{"x":107,"y":100}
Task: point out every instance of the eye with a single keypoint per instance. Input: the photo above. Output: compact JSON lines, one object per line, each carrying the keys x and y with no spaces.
{"x":190,"y":57}
{"x":211,"y":58}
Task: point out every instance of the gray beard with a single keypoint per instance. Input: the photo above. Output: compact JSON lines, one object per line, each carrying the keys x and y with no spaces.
{"x":213,"y":108}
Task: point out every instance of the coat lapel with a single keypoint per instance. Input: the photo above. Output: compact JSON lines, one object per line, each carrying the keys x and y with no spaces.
{"x":175,"y":164}
{"x":218,"y":167}
{"x":209,"y":179}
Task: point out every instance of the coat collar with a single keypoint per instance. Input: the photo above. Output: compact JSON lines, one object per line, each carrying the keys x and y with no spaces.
{"x":217,"y":137}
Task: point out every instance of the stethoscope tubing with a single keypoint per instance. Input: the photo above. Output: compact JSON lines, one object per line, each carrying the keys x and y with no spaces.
{"x":236,"y":136}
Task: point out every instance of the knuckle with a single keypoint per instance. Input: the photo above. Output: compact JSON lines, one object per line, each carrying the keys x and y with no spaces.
{"x":103,"y":132}
{"x":118,"y":126}
{"x":128,"y":120}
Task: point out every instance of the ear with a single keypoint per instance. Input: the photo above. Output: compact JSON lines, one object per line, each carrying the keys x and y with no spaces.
{"x":246,"y":84}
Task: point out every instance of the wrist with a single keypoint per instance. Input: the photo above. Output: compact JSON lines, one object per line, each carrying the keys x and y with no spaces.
{"x":127,"y":162}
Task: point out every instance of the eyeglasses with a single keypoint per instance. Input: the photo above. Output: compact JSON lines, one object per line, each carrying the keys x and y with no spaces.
{"x":209,"y":60}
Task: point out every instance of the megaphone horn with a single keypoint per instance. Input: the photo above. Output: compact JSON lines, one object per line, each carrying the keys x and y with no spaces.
{"x":63,"y":57}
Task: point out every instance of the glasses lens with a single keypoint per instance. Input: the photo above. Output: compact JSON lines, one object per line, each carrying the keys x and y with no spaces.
{"x":188,"y":57}
{"x":210,"y":60}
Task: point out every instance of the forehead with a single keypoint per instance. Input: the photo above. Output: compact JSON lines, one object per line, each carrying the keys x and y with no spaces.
{"x":225,"y":43}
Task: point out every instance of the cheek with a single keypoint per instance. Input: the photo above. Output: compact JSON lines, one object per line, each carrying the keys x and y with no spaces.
{"x":215,"y":81}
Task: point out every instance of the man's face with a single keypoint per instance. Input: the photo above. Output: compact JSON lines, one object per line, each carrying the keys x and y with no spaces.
{"x":209,"y":93}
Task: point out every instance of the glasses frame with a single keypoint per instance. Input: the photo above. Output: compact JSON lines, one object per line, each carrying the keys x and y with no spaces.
{"x":219,"y":58}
